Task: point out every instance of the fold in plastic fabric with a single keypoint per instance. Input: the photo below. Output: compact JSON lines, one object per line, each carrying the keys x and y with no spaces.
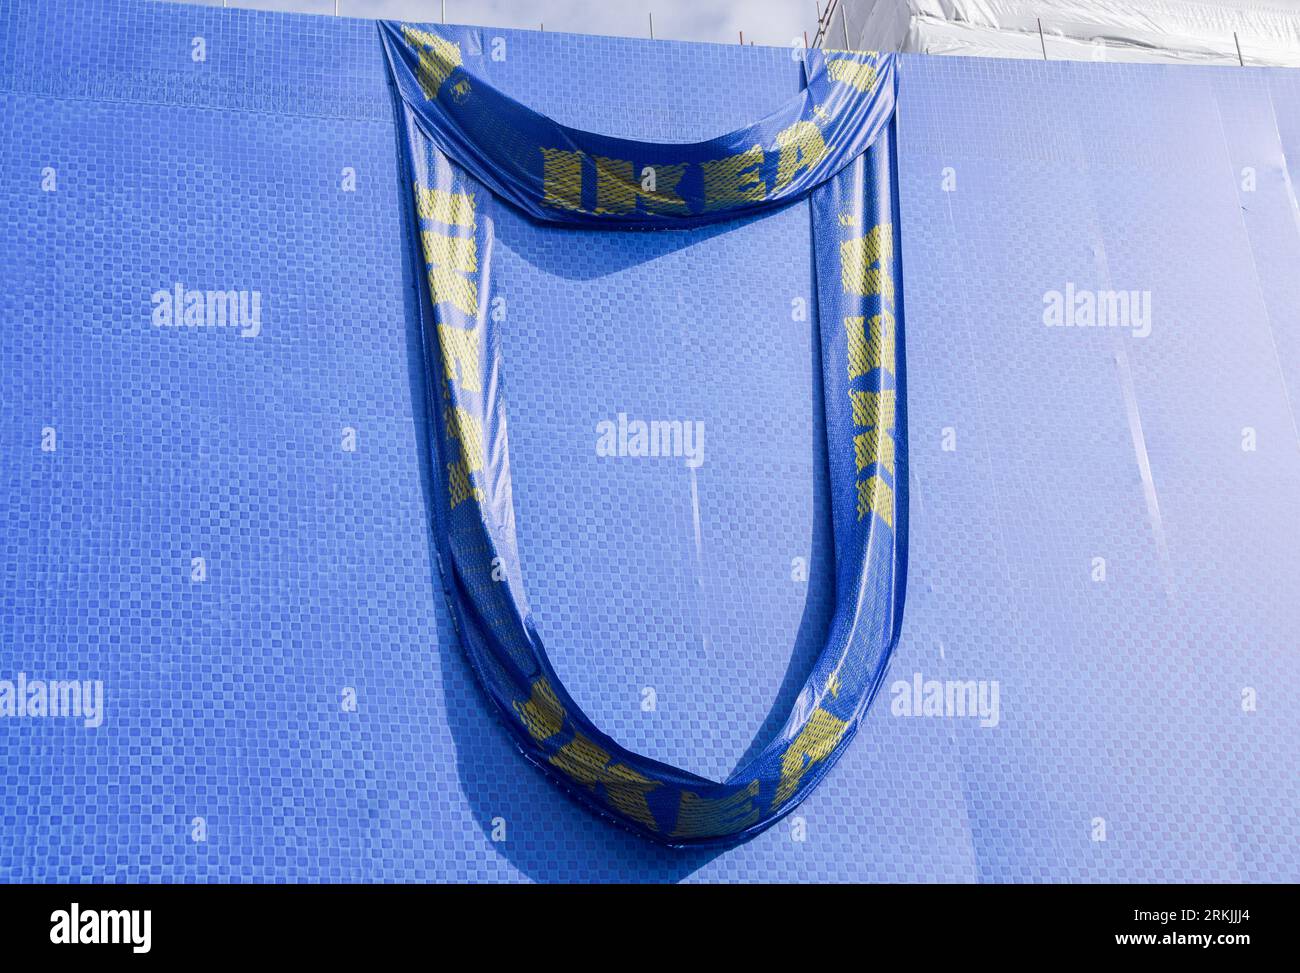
{"x":557,"y":174}
{"x":469,"y":149}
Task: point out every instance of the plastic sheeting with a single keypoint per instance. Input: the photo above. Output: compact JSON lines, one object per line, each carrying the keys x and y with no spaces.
{"x":1179,"y":31}
{"x":1103,"y":529}
{"x":829,"y":150}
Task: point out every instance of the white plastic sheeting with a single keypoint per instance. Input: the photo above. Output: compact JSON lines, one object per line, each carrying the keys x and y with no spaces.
{"x":1220,"y":32}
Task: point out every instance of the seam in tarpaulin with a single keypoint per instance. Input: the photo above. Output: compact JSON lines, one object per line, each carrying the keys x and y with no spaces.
{"x":1128,"y":391}
{"x":1133,"y":418}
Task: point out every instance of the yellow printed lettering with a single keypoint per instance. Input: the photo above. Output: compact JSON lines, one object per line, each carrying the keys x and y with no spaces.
{"x":813,"y":744}
{"x":542,"y":715}
{"x":438,"y":58}
{"x":460,"y":360}
{"x":448,"y":286}
{"x":459,"y":488}
{"x":698,"y":817}
{"x":801,"y":147}
{"x":625,"y":789}
{"x":454,"y":209}
{"x":734,"y":180}
{"x":870,"y":346}
{"x":462,"y":425}
{"x":459,"y":253}
{"x":875,"y":412}
{"x":617,"y":189}
{"x":562,"y":179}
{"x":877,"y":497}
{"x":859,"y":74}
{"x":874,"y":446}
{"x":450,"y":257}
{"x":873,"y":408}
{"x":863,"y":263}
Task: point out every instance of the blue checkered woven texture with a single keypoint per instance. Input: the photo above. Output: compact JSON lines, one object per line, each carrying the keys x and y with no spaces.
{"x":1146,"y":727}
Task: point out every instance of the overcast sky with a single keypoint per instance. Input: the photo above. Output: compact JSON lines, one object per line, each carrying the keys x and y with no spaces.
{"x":763,"y":21}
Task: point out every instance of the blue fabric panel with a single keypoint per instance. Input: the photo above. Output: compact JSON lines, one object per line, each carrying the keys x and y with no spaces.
{"x":472,"y":151}
{"x":1118,"y":700}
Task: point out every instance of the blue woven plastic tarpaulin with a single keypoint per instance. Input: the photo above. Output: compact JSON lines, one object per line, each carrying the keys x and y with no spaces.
{"x":218,"y":510}
{"x":829,"y":150}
